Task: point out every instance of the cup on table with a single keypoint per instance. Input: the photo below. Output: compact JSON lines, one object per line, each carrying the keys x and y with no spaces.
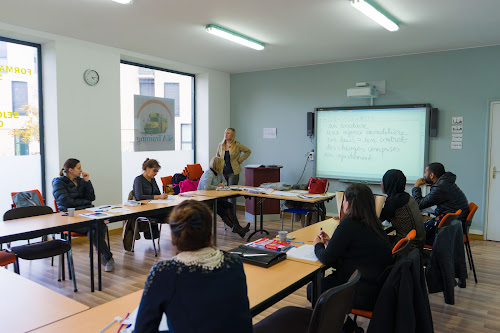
{"x":71,"y":212}
{"x":282,"y":235}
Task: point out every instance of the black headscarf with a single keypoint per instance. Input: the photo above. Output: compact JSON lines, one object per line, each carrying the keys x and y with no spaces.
{"x":394,"y":182}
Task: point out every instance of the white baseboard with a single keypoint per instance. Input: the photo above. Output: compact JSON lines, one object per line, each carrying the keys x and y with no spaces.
{"x":476,"y":232}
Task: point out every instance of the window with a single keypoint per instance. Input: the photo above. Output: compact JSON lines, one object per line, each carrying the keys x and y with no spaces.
{"x":157,"y":120}
{"x":147,"y":87}
{"x":21,"y":136}
{"x":19,"y":97}
{"x":186,"y":137}
{"x":172,"y":91}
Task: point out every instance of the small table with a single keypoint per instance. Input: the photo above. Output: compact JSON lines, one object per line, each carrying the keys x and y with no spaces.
{"x":27,"y":305}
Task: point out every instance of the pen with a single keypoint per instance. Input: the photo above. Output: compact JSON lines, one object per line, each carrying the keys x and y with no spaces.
{"x":320,"y":231}
{"x":121,"y":325}
{"x":291,"y":241}
{"x":255,"y":255}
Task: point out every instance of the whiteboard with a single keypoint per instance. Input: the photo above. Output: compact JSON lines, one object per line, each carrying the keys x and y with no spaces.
{"x":362,"y":143}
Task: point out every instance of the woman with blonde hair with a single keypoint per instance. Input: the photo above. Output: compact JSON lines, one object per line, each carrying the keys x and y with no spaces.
{"x":209,"y":181}
{"x":230,"y":150}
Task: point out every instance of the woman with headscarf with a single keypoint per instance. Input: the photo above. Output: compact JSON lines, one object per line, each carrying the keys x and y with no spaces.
{"x":401,"y":209}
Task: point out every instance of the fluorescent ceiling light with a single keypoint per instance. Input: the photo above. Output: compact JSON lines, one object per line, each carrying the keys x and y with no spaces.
{"x":375,"y":14}
{"x":124,"y":2}
{"x":234,"y":37}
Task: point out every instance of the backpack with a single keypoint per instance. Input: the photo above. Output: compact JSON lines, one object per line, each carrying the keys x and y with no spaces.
{"x":25,"y":199}
{"x":176,"y":179}
{"x":188,"y":185}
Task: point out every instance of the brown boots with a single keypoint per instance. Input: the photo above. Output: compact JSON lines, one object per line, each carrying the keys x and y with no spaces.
{"x":231,"y":221}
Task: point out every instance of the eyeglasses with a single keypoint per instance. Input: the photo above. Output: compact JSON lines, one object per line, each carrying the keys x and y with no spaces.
{"x":156,"y":170}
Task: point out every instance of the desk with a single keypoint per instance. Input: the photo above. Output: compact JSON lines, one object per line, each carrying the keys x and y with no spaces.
{"x":266,"y":286}
{"x":27,"y":305}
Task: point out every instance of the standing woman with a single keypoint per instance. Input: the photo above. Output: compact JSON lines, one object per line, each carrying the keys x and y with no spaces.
{"x":73,"y":189}
{"x":230,"y":150}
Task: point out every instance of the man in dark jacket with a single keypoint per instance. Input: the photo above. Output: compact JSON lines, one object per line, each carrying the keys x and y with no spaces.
{"x":444,"y":193}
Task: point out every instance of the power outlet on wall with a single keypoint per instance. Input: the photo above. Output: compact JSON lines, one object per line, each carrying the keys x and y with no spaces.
{"x":311,"y":156}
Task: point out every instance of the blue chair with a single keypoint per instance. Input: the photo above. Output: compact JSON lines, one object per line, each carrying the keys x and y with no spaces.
{"x":299,"y":211}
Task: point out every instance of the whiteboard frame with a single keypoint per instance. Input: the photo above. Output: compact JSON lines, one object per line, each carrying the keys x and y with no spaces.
{"x":428,"y":108}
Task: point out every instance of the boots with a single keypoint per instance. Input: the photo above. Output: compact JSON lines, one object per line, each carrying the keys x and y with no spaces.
{"x":236,"y":225}
{"x":227,"y":220}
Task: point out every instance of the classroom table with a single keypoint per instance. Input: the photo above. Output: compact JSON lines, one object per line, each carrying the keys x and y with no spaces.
{"x":27,"y":305}
{"x":266,"y":286}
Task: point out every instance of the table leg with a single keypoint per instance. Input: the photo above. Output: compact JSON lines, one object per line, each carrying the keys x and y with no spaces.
{"x":261,"y":230}
{"x":215,"y":221}
{"x":98,"y":236}
{"x":91,"y":255}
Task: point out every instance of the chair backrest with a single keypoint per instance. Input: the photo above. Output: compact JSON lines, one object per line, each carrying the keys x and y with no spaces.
{"x":472,"y":210}
{"x":401,"y":245}
{"x":332,"y":307}
{"x":446,"y":220}
{"x":12,"y":194}
{"x":379,"y":202}
{"x":412,"y":234}
{"x":55,"y":206}
{"x":194,"y":171}
{"x":166,"y":181}
{"x":20,"y":212}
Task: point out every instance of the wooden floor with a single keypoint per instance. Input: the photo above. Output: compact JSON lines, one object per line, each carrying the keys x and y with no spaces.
{"x":477,"y":307}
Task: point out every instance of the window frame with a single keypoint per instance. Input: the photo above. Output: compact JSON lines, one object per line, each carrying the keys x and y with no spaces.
{"x":40,"y":105}
{"x":193,"y":112}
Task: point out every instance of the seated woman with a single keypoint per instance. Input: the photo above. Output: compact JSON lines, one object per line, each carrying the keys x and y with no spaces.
{"x":201,"y":289}
{"x":401,"y":209}
{"x":359,"y":242}
{"x":146,"y":188}
{"x":212,"y":178}
{"x":72,"y":191}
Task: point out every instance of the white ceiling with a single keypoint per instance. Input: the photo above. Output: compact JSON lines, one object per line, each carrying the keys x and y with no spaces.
{"x":297,"y":32}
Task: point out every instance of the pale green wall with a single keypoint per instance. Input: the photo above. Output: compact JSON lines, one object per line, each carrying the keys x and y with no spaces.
{"x":459,"y":83}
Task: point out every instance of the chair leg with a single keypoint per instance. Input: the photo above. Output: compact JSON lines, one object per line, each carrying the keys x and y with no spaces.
{"x":133,"y":238}
{"x":16,"y":266}
{"x":469,"y":255}
{"x":59,"y":267}
{"x":282,"y":215}
{"x":293,"y":215}
{"x":153,"y":239}
{"x":159,"y":236}
{"x":71,"y":266}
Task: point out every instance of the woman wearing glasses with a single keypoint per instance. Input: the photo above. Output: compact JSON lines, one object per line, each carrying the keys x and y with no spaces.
{"x":146,"y":188}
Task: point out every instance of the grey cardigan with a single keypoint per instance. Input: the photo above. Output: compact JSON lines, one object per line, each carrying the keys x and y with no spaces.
{"x":210,"y":180}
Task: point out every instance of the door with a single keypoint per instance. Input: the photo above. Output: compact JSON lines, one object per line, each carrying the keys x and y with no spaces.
{"x":493,"y":214}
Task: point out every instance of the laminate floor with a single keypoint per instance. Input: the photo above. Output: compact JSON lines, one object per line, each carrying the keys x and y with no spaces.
{"x":477,"y":307}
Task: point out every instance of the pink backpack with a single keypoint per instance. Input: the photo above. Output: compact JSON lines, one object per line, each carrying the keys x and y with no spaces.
{"x":188,"y":185}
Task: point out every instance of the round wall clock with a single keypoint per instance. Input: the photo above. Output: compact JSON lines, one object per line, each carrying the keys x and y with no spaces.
{"x":91,"y":77}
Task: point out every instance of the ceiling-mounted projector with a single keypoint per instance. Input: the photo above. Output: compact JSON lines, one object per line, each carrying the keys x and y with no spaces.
{"x":362,"y":90}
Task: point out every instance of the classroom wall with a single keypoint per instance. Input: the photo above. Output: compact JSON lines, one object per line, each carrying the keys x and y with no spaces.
{"x":459,"y":83}
{"x":84,"y":122}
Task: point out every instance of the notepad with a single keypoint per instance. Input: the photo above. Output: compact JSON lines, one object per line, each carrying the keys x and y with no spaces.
{"x":305,"y":252}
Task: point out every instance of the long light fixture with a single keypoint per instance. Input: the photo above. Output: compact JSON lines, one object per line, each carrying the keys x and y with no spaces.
{"x":234,"y":37}
{"x":124,"y":2}
{"x":375,"y":14}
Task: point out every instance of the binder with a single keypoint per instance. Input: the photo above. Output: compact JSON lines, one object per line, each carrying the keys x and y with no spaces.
{"x":265,"y":258}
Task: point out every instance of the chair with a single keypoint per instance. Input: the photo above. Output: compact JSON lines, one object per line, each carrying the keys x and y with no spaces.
{"x":12,"y":194}
{"x":143,"y":219}
{"x":166,"y":181}
{"x":379,"y":202}
{"x":299,"y":211}
{"x":472,"y":210}
{"x":45,"y":249}
{"x":7,"y":258}
{"x":194,"y":171}
{"x":328,"y":315}
{"x":445,"y":221}
{"x":404,"y":242}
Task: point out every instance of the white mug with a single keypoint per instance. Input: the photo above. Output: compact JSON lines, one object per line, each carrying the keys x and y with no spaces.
{"x":282,"y":235}
{"x":71,"y":212}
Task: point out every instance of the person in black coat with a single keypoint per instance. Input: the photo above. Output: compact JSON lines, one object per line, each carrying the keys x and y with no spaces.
{"x":73,"y":189}
{"x":444,"y":193}
{"x":359,"y":242}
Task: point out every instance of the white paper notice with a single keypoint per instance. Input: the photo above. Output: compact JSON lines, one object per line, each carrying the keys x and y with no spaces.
{"x":456,"y":145}
{"x":305,"y":252}
{"x":269,"y":133}
{"x":456,"y":137}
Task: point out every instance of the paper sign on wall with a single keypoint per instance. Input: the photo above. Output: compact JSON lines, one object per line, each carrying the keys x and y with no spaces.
{"x":269,"y":133}
{"x":154,"y":126}
{"x":456,"y":145}
{"x":456,"y":137}
{"x":457,"y":129}
{"x":457,"y":120}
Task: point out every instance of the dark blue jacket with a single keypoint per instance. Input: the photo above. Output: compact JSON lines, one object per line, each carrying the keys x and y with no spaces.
{"x":67,"y":195}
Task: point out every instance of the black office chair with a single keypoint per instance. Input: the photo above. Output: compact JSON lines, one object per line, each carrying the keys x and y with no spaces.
{"x":44,"y":249}
{"x":328,"y":315}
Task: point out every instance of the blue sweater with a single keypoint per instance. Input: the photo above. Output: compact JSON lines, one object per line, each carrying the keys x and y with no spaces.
{"x":196,"y":299}
{"x":67,"y":195}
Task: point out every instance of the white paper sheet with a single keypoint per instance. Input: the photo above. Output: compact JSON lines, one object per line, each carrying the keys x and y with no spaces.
{"x":102,"y":208}
{"x":132,"y":318}
{"x":286,"y":193}
{"x":305,"y":252}
{"x":97,"y":215}
{"x":161,"y":201}
{"x":311,"y":196}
